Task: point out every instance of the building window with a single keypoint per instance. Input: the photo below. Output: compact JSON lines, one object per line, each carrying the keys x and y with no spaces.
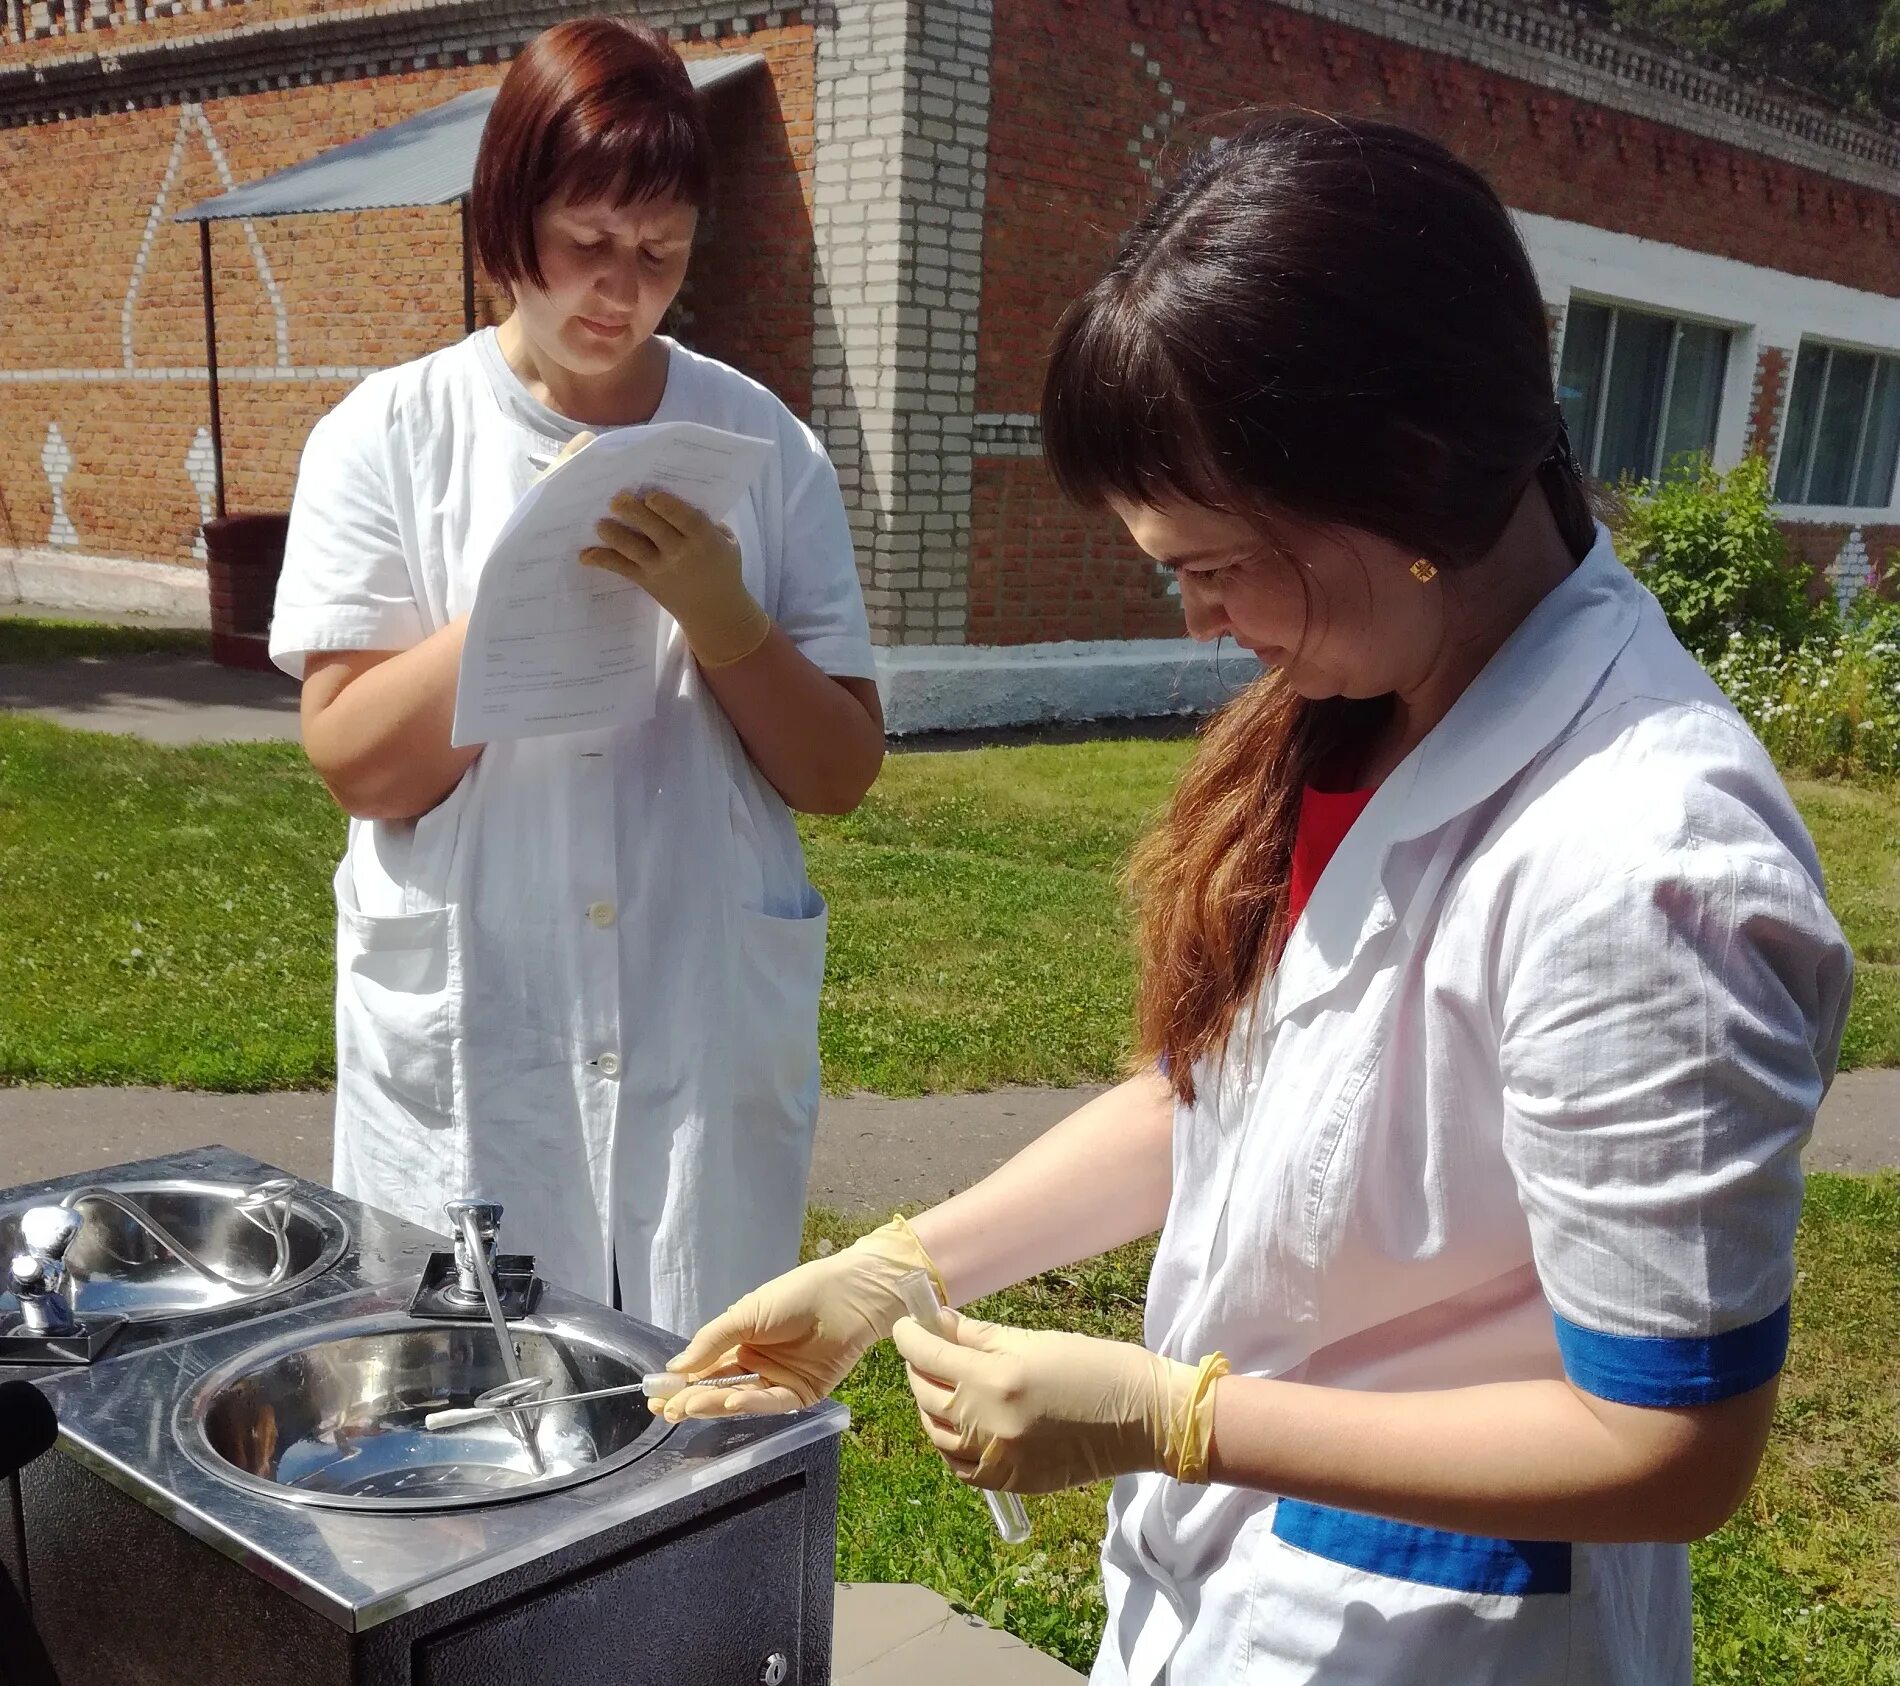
{"x":1842,"y":439}
{"x":1638,"y":390}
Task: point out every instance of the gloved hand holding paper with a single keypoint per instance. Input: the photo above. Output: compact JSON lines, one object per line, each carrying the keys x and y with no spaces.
{"x":553,"y":646}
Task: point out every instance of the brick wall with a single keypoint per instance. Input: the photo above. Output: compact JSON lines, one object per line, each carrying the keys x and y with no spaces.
{"x":748,"y":296}
{"x":1768,"y":399}
{"x":1090,"y":98}
{"x":1038,"y":573}
{"x":904,"y":208}
{"x":101,"y":320}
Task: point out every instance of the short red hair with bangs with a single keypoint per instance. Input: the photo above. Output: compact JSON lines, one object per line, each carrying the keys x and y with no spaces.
{"x":594,"y":108}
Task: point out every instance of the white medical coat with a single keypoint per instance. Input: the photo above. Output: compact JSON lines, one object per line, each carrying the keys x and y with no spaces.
{"x":1524,"y":1098}
{"x":586,"y":984}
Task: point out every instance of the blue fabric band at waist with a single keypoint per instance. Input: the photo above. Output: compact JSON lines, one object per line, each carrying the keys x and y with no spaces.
{"x":1426,"y":1556}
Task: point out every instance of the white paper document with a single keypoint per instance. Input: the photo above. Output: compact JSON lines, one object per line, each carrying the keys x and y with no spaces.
{"x":554,"y":646}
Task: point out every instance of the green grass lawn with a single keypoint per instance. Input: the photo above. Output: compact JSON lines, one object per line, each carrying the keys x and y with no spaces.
{"x":1802,"y":1588}
{"x":167,"y":918}
{"x":1857,"y":832}
{"x":168,"y":913}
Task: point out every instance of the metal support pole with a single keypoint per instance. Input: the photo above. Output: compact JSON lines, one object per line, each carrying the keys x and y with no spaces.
{"x":468,"y":272}
{"x":211,"y":359}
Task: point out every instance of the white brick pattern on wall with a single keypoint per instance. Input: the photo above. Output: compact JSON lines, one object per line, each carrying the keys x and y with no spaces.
{"x":1150,"y":146}
{"x":1852,"y":570}
{"x":201,"y":469}
{"x":56,"y":459}
{"x":192,"y":121}
{"x":902,"y":129}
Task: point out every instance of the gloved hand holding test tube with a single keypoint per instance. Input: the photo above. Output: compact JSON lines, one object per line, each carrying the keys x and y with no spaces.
{"x":1007,"y":1510}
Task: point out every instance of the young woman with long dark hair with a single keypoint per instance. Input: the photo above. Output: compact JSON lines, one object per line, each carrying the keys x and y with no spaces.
{"x":579,"y":974}
{"x":1488,"y":994}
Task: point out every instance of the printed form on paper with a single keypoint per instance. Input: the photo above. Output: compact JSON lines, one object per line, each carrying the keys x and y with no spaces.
{"x":554,"y":646}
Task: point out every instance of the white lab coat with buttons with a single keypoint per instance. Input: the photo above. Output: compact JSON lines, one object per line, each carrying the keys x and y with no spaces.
{"x":1525,"y":1098}
{"x":586,"y":984}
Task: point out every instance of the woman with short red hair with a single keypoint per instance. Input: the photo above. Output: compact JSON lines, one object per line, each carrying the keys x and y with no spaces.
{"x":579,"y":974}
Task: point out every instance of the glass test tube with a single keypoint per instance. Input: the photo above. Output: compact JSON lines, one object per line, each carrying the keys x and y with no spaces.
{"x":1007,"y":1510}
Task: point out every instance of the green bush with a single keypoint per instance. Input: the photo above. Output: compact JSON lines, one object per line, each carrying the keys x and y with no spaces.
{"x":1708,"y":546}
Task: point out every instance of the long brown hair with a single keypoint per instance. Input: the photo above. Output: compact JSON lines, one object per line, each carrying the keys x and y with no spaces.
{"x":1335,"y":319}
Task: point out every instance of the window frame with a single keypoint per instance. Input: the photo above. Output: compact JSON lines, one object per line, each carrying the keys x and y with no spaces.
{"x":1733,"y":335}
{"x":1806,"y":501}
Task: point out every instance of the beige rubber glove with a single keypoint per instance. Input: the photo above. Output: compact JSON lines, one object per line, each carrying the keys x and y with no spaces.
{"x":690,"y":567}
{"x":1032,"y":1411}
{"x":803,"y":1331}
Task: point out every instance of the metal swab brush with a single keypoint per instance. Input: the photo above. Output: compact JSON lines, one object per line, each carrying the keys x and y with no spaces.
{"x":660,"y":1384}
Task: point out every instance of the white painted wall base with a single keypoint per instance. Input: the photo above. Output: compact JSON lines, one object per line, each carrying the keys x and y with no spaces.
{"x":926,"y":688}
{"x":961,"y":687}
{"x":64,"y":579}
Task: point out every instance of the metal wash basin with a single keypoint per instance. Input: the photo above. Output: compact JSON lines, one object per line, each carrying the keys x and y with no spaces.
{"x":155,"y":1248}
{"x":333,"y":1416}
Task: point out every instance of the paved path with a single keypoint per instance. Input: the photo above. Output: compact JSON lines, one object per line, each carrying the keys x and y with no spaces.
{"x":872,"y":1153}
{"x":908,"y":1636}
{"x":167,"y":698}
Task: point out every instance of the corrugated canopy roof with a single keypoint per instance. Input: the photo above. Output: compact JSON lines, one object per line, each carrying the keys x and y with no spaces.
{"x":425,"y":160}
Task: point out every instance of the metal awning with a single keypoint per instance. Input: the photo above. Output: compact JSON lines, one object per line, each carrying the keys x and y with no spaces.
{"x":428,"y":159}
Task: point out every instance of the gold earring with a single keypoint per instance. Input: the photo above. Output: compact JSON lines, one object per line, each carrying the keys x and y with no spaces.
{"x":1424,"y":572}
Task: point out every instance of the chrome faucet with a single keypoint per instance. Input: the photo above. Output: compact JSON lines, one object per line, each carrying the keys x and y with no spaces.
{"x":39,"y":1277}
{"x":475,"y":1225}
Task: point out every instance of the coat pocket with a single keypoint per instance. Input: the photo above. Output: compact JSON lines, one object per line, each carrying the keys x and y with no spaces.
{"x":781,"y":969}
{"x":395,"y":1019}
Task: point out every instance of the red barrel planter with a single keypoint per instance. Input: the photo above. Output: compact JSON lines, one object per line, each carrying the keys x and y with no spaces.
{"x":244,"y":555}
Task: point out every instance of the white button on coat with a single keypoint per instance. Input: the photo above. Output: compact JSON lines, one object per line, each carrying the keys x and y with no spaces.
{"x":601,"y":913}
{"x":1525,"y":1099}
{"x":472,"y":1003}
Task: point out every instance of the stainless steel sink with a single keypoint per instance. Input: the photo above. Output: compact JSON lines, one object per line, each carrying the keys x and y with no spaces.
{"x":126,"y":1258}
{"x":333,"y":1416}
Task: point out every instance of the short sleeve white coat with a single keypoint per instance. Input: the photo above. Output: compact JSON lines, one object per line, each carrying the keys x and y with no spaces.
{"x":586,"y":984}
{"x":1524,"y":1099}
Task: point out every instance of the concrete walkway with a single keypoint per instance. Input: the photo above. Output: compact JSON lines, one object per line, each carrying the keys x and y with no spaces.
{"x":908,"y":1636}
{"x":872,"y":1153}
{"x":167,"y":697}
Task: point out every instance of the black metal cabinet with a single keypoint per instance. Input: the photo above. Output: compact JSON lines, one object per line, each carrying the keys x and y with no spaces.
{"x":704,"y":1603}
{"x":704,"y":1592}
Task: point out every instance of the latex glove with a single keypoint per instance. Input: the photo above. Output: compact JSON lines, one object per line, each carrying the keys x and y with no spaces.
{"x":1033,"y":1411}
{"x":803,"y":1331}
{"x":689,"y":566}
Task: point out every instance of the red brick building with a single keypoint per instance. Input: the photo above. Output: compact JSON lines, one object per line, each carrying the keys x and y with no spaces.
{"x":910,"y":193}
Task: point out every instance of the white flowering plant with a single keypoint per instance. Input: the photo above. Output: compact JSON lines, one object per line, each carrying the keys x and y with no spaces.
{"x":1829,"y":705}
